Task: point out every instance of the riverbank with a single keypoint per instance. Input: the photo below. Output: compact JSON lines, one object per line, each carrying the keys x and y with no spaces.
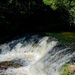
{"x":67,"y":37}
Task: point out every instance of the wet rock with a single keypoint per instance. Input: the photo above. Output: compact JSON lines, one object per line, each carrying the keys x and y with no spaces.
{"x":7,"y":64}
{"x":71,"y":68}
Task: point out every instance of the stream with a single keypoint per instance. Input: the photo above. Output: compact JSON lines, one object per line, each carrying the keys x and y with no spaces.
{"x":34,"y":55}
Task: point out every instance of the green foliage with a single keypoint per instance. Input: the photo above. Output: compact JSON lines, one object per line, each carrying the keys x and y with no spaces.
{"x":68,"y":5}
{"x":15,"y":9}
{"x":65,"y":71}
{"x":53,"y":3}
{"x":67,"y":37}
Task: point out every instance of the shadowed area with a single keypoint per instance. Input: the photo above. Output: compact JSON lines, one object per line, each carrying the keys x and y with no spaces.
{"x":20,"y":17}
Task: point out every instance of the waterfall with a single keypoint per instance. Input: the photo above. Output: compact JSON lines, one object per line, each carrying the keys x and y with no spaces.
{"x":35,"y":56}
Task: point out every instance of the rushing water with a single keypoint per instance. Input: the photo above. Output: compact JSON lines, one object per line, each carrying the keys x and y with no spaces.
{"x":36,"y":55}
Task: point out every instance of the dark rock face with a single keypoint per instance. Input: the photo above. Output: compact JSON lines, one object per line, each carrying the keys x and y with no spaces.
{"x":19,"y":16}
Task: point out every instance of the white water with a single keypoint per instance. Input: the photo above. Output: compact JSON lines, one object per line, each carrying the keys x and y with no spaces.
{"x":36,"y":58}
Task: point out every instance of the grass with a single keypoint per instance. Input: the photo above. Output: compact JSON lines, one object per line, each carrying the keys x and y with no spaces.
{"x":65,"y":71}
{"x":68,"y":37}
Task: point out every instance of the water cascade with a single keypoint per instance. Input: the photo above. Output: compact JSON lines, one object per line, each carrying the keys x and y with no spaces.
{"x":34,"y":56}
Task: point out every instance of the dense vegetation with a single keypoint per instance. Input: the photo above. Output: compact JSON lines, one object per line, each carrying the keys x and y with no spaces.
{"x":68,"y":5}
{"x":17,"y":13}
{"x":68,"y":69}
{"x":66,"y":37}
{"x":20,"y":16}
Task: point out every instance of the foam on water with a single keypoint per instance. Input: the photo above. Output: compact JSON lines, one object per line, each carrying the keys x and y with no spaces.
{"x":42,"y":57}
{"x":28,"y":54}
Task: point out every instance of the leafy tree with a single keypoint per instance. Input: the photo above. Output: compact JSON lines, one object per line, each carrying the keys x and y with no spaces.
{"x":68,"y":5}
